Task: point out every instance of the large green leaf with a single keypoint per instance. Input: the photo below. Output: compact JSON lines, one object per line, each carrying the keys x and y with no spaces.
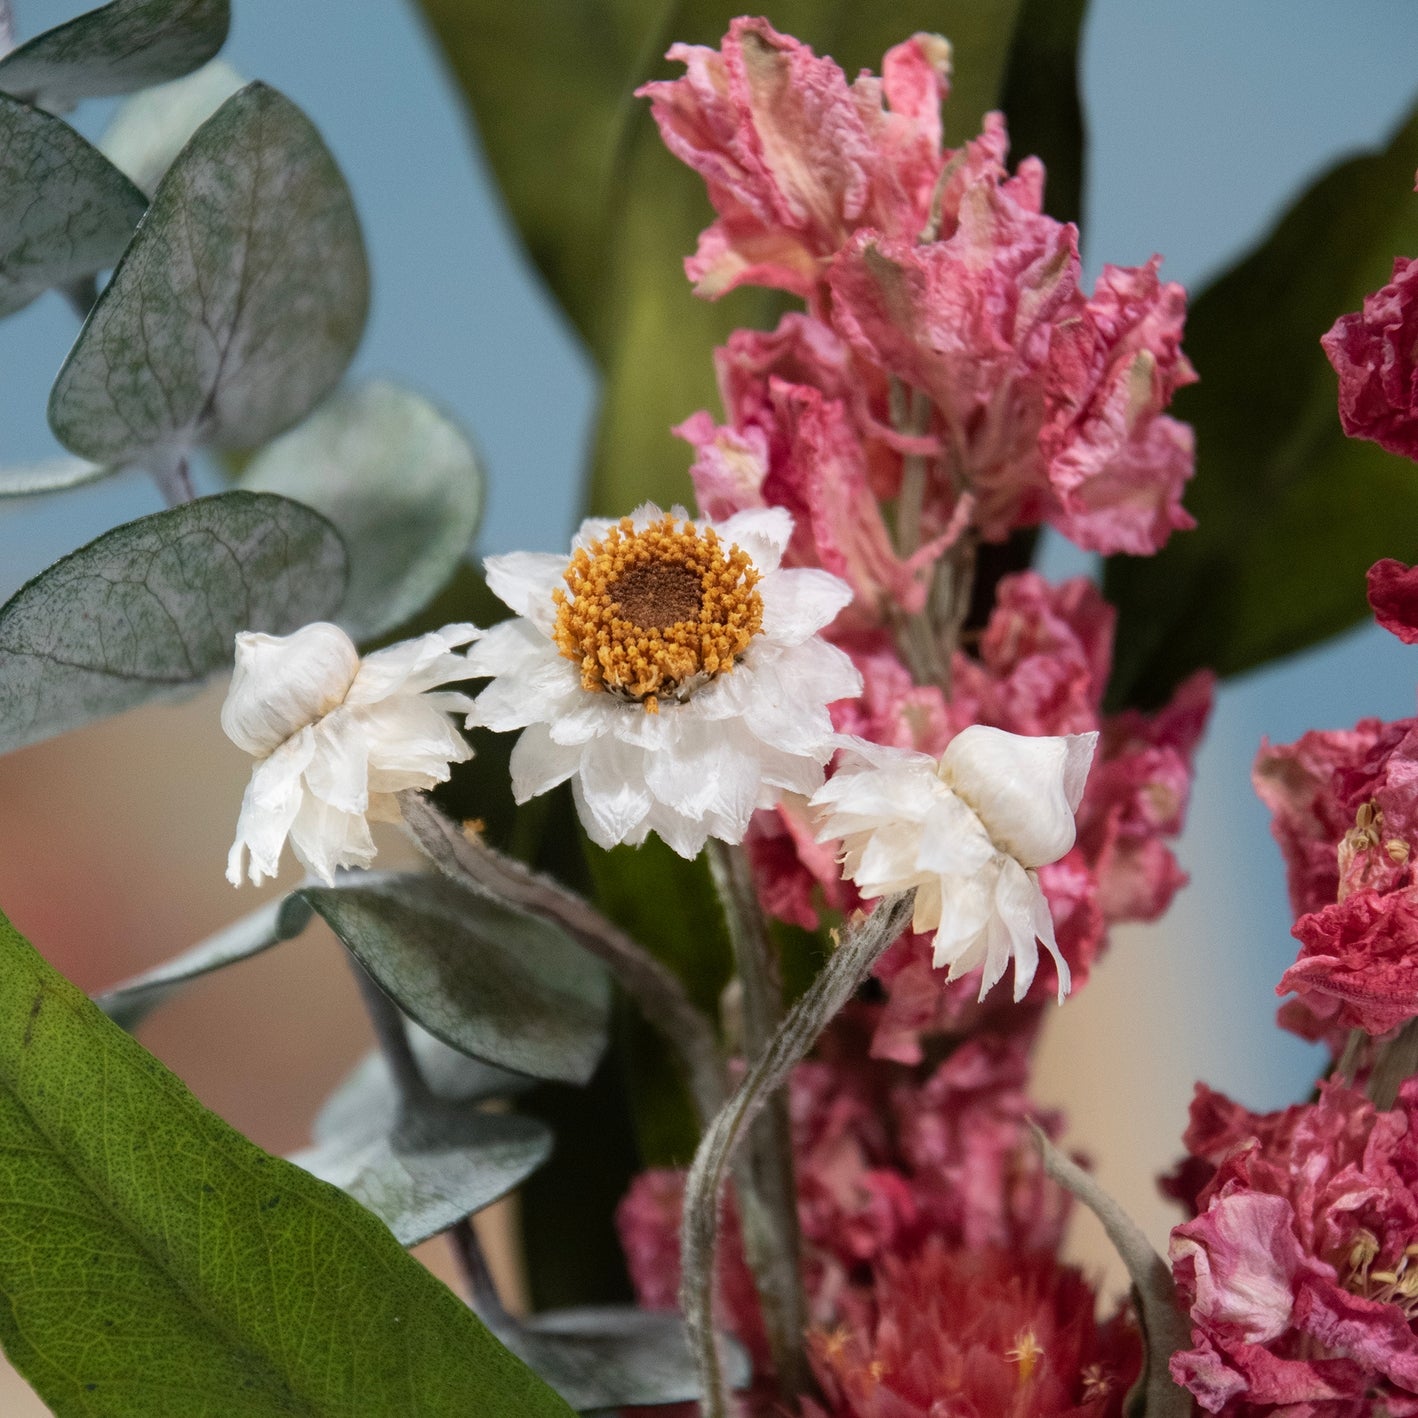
{"x":496,"y":983}
{"x":120,"y":47}
{"x":153,"y":607}
{"x":238,"y":305}
{"x":65,"y":210}
{"x":1290,"y":512}
{"x":400,"y":482}
{"x":609,"y":215}
{"x":158,"y":1265}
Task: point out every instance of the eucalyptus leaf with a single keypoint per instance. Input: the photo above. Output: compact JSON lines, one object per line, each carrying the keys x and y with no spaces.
{"x":115,"y":49}
{"x":145,"y":136}
{"x":1290,"y":513}
{"x":495,"y":983}
{"x":400,"y":482}
{"x":65,"y":210}
{"x":615,"y":1357}
{"x":159,"y":1265}
{"x":421,"y":1180}
{"x":235,"y":309}
{"x":51,"y":475}
{"x":129,"y":1003}
{"x":551,"y":87}
{"x":152,"y":608}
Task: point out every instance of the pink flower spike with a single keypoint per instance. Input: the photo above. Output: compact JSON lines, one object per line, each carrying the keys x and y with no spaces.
{"x":1393,"y":595}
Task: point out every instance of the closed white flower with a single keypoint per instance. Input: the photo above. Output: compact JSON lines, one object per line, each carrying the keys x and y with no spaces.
{"x":337,"y":737}
{"x":966,"y":833}
{"x":670,"y":669}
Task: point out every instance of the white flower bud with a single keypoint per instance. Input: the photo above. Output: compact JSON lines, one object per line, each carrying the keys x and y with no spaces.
{"x":283,"y":683}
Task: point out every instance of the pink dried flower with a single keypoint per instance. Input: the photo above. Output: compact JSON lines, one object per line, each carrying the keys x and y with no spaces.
{"x":1393,"y":595}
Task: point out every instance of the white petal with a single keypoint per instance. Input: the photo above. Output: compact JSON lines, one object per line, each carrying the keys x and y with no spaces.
{"x":613,"y":791}
{"x":338,"y":772}
{"x":538,"y":764}
{"x":763,"y":532}
{"x":509,"y":646}
{"x":410,"y":743}
{"x":525,"y":580}
{"x":413,"y":665}
{"x":326,"y":839}
{"x":799,"y":602}
{"x":1044,"y":930}
{"x":269,"y":807}
{"x":534,"y":694}
{"x":1017,"y":786}
{"x":953,"y":841}
{"x":281,"y":683}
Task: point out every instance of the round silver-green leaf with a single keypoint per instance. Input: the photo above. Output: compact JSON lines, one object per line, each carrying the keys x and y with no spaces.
{"x":238,"y":305}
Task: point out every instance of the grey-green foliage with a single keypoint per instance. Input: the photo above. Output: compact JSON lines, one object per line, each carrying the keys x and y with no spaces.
{"x":400,"y":482}
{"x":145,"y":136}
{"x":235,"y":309}
{"x":49,"y":475}
{"x":129,"y":1003}
{"x":65,"y":210}
{"x":115,"y":49}
{"x":497,"y":984}
{"x":158,"y":1265}
{"x":153,"y":607}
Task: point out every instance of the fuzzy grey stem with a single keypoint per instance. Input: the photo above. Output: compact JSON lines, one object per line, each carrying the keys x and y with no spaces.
{"x":174,"y":478}
{"x":862,"y":946}
{"x":763,"y":1177}
{"x":1397,"y":1061}
{"x":388,"y":1022}
{"x":655,"y":989}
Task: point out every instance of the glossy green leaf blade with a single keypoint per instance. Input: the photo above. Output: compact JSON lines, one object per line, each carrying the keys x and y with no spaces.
{"x":150,"y":129}
{"x":401,"y":484}
{"x":1290,"y":512}
{"x":158,"y":1265}
{"x":238,"y":305}
{"x":129,"y":1003}
{"x":551,"y":86}
{"x":497,"y":984}
{"x":115,"y":49}
{"x":153,"y":607}
{"x":65,"y":210}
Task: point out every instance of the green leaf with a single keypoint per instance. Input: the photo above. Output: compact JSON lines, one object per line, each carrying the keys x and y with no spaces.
{"x":497,"y":984}
{"x":402,"y":486}
{"x":238,"y":305}
{"x":150,"y":129}
{"x":65,"y":210}
{"x":131,"y":1002}
{"x":551,"y":85}
{"x":1290,"y":512}
{"x":153,"y":607}
{"x":158,"y":1265}
{"x":115,"y":49}
{"x":616,"y":1357}
{"x":51,"y":475}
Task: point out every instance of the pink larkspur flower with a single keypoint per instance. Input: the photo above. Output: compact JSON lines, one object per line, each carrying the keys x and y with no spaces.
{"x":1393,"y":596}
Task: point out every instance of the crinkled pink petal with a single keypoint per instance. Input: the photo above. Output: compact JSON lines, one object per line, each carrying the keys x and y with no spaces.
{"x":729,"y":466}
{"x":1393,"y":595}
{"x":1376,"y":1335}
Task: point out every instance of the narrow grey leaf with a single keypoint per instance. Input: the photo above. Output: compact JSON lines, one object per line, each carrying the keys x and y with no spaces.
{"x":237,"y":306}
{"x":615,"y":1357}
{"x":497,"y":984}
{"x":115,"y":49}
{"x":65,"y":210}
{"x":368,"y":1100}
{"x":151,"y":128}
{"x":421,"y":1185}
{"x":401,"y":484}
{"x":1164,"y":1326}
{"x":131,"y":1002}
{"x":52,"y":475}
{"x":153,"y":607}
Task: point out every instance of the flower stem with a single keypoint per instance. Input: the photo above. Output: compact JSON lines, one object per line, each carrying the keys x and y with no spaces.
{"x":863,"y":943}
{"x":766,"y":1189}
{"x":656,"y":990}
{"x":1397,"y":1060}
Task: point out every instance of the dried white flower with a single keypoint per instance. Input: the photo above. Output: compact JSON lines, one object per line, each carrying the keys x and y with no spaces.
{"x":967,"y":834}
{"x":670,"y":669}
{"x":337,"y":737}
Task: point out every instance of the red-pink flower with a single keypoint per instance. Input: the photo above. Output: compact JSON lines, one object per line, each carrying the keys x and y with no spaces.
{"x":982,"y":1333}
{"x":1296,"y":1269}
{"x":1393,"y":596}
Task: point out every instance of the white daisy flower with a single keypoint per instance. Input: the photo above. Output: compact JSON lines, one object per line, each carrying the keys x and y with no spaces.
{"x":967,"y":834}
{"x":670,"y":669}
{"x":337,"y":737}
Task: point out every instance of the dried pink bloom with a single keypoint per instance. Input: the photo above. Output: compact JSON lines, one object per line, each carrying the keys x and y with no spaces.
{"x":794,"y":157}
{"x":1296,"y":1269}
{"x":974,"y":1332}
{"x":1393,"y":595}
{"x":1373,"y":354}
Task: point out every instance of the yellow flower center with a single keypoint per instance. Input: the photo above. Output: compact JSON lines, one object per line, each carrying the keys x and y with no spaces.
{"x":657,"y":613}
